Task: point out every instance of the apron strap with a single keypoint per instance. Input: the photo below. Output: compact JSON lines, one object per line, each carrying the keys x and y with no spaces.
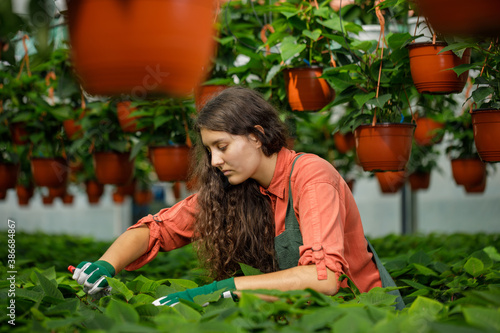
{"x":386,"y":278}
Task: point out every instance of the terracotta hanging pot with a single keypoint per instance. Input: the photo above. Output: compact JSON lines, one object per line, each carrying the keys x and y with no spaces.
{"x":204,"y":93}
{"x":171,"y":163}
{"x":391,"y":181}
{"x":462,"y":17}
{"x":344,"y":142}
{"x":426,"y":131}
{"x":479,"y":188}
{"x":469,"y":172}
{"x":128,"y":123}
{"x":8,"y":175}
{"x":50,"y":172}
{"x":72,"y":129}
{"x":113,"y":167}
{"x":19,"y":133}
{"x":123,"y":191}
{"x":305,"y":90}
{"x":419,"y":180}
{"x":57,"y":192}
{"x":384,"y":147}
{"x":137,"y":46}
{"x":94,"y":191}
{"x":432,"y":71}
{"x":486,"y":126}
{"x":143,"y":197}
{"x":24,"y":194}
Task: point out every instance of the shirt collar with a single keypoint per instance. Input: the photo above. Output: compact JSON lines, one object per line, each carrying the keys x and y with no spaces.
{"x":278,"y":182}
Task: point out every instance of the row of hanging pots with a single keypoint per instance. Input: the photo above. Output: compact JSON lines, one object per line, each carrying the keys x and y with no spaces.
{"x":138,"y":46}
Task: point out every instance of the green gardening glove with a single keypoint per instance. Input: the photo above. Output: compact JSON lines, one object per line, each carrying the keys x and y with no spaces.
{"x":190,"y":294}
{"x":93,"y":275}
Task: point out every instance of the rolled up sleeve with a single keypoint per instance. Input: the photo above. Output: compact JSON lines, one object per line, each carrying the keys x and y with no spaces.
{"x":169,"y":229}
{"x":322,"y":216}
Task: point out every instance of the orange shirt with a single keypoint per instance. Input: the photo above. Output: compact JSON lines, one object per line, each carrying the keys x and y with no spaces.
{"x":329,"y":220}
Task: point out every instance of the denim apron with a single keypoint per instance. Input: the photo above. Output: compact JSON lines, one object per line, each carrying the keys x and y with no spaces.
{"x":288,"y":242}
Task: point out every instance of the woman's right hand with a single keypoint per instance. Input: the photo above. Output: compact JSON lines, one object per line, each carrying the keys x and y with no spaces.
{"x":92,"y":276}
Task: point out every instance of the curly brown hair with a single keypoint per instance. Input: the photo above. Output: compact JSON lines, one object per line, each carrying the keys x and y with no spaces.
{"x":235,"y":223}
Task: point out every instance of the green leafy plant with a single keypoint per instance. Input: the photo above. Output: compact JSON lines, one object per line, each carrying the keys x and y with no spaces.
{"x":449,"y":282}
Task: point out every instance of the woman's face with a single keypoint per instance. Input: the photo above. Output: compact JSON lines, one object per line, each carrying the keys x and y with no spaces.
{"x":237,"y":156}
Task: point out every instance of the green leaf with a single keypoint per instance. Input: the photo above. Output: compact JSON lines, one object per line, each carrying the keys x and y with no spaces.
{"x":425,"y":306}
{"x":380,"y":101}
{"x":289,"y":48}
{"x":249,"y":270}
{"x":181,"y":284}
{"x":492,"y":253}
{"x":422,"y":270}
{"x":420,"y":257}
{"x":119,"y":287}
{"x":314,"y":35}
{"x":48,"y":287}
{"x":66,"y":308}
{"x":481,"y":93}
{"x":361,"y":99}
{"x":483,"y":317}
{"x":32,"y":295}
{"x":122,"y":312}
{"x":474,"y":267}
{"x":272,"y":72}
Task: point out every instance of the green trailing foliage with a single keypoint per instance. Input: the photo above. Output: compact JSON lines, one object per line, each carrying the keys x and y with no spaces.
{"x":450,"y":283}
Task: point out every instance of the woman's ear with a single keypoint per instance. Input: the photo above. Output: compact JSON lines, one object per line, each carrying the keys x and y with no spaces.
{"x":254,"y":138}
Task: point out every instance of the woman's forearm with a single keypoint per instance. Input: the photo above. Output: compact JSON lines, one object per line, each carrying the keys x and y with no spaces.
{"x":128,"y":247}
{"x":299,"y":277}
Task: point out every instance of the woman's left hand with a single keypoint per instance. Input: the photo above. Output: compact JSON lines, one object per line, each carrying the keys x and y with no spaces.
{"x":190,"y":294}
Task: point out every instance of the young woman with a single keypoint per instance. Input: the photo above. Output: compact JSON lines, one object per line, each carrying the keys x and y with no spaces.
{"x":290,"y":215}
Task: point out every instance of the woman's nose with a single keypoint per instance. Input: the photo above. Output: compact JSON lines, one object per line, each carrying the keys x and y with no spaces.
{"x":216,"y":160}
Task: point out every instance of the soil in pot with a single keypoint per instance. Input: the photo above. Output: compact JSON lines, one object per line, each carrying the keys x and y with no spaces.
{"x":486,"y":126}
{"x":426,"y":131}
{"x":384,"y":147}
{"x":171,"y":163}
{"x":305,"y":90}
{"x":432,"y":71}
{"x":113,"y":168}
{"x":50,"y":172}
{"x":391,"y":181}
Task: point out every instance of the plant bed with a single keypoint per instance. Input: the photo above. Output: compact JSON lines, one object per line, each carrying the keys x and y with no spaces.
{"x":447,"y":281}
{"x":486,"y":126}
